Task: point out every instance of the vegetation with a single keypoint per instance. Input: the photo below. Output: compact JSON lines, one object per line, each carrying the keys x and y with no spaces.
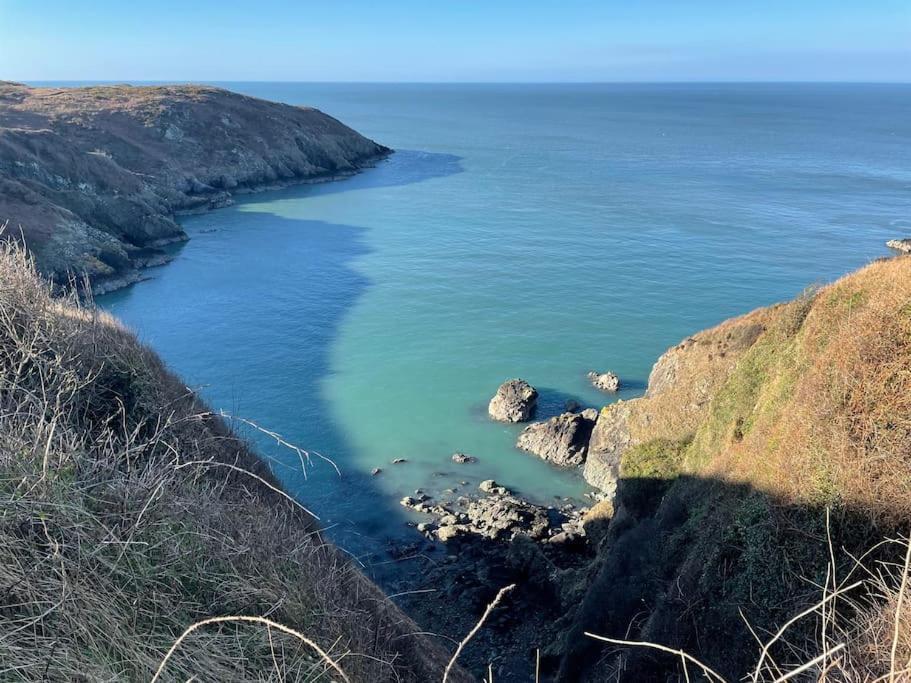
{"x":797,"y":467}
{"x":129,"y":513}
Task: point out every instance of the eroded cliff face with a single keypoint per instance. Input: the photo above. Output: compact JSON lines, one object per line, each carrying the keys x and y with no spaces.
{"x":680,"y":387}
{"x":93,"y":177}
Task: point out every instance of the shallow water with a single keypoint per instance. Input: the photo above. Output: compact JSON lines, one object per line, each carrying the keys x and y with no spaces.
{"x":531,"y":231}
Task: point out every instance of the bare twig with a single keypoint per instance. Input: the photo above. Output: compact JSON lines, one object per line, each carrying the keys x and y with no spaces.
{"x":477,"y":627}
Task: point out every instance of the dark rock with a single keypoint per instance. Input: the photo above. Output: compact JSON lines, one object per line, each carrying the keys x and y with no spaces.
{"x":376,"y":471}
{"x":462,"y":458}
{"x":399,"y":461}
{"x":561,"y":440}
{"x":96,"y":176}
{"x":514,"y":401}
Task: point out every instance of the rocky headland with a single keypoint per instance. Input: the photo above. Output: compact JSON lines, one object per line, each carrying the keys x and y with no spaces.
{"x":93,"y":178}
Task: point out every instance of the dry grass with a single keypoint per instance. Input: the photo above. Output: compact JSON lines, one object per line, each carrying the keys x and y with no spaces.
{"x":872,"y":645}
{"x":820,"y":411}
{"x":128,"y":512}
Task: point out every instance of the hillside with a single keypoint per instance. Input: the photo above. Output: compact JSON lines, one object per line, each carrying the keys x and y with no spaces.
{"x":129,"y":512}
{"x":768,"y":456}
{"x":93,"y":177}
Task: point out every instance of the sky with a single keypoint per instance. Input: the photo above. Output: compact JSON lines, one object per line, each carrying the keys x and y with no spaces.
{"x":456,"y":41}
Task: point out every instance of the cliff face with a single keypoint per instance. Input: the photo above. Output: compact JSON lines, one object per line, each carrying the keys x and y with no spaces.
{"x":767,"y":454}
{"x":94,"y":176}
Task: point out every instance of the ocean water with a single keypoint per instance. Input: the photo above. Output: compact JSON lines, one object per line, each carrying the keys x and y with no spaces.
{"x":519,"y":231}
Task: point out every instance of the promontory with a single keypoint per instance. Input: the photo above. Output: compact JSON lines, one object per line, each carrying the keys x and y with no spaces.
{"x":92,"y":178}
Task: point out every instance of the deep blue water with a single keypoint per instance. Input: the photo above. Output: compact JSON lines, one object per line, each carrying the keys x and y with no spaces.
{"x":533,"y":231}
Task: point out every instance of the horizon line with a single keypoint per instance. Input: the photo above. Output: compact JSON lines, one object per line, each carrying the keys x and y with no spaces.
{"x":467,"y":82}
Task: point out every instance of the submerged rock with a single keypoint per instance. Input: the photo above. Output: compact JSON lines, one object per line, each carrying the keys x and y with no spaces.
{"x":902,"y":245}
{"x":561,"y":440}
{"x":514,"y":401}
{"x":605,"y":381}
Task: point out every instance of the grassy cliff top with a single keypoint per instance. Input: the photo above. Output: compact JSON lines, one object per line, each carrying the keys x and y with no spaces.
{"x":768,"y":465}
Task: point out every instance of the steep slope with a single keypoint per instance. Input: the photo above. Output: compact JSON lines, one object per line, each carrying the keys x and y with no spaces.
{"x":128,"y":511}
{"x":725,"y":470}
{"x":94,"y":176}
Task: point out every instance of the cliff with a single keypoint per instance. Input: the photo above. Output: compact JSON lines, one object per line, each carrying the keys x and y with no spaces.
{"x":763,"y":469}
{"x":129,"y":512}
{"x":94,"y":177}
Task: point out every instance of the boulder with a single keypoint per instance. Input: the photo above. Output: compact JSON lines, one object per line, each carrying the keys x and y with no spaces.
{"x":462,"y":458}
{"x":514,"y":401}
{"x":490,"y":486}
{"x":902,"y":245}
{"x":561,"y":440}
{"x":605,"y":381}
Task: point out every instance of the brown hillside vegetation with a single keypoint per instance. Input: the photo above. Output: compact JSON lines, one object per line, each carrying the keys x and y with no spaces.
{"x":128,"y":512}
{"x":750,"y":506}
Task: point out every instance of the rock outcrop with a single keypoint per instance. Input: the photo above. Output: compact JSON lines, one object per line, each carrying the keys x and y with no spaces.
{"x":680,"y":387}
{"x":561,"y":440}
{"x":94,"y":177}
{"x":514,"y":401}
{"x":902,"y":245}
{"x":497,"y":516}
{"x":605,"y":381}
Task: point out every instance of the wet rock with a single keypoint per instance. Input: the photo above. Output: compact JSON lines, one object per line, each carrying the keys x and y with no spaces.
{"x":491,"y":486}
{"x":399,"y":461}
{"x":514,"y":401}
{"x":561,"y":440}
{"x":902,"y":245}
{"x":376,"y":471}
{"x":605,"y":381}
{"x":462,"y":458}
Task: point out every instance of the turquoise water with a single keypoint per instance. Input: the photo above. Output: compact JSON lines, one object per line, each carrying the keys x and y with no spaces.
{"x":530,"y":231}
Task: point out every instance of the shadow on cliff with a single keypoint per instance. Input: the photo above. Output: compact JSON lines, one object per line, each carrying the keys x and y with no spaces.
{"x":678,"y":564}
{"x":684,"y":563}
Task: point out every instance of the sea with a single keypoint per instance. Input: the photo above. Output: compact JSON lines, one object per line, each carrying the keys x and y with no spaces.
{"x":531,"y":231}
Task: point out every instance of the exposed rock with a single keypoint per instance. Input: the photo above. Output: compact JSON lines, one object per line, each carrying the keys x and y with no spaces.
{"x":491,"y":486}
{"x":462,"y":458}
{"x":681,"y":386}
{"x":561,"y":440}
{"x":514,"y":401}
{"x":498,"y":515}
{"x":94,"y":177}
{"x":376,"y":471}
{"x":605,"y":381}
{"x":902,"y":245}
{"x":399,"y":461}
{"x":596,"y":521}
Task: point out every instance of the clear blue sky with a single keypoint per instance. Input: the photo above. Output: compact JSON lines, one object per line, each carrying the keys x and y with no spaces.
{"x":464,"y":40}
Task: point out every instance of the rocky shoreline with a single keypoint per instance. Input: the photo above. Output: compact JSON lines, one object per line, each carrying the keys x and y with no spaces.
{"x":93,"y":179}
